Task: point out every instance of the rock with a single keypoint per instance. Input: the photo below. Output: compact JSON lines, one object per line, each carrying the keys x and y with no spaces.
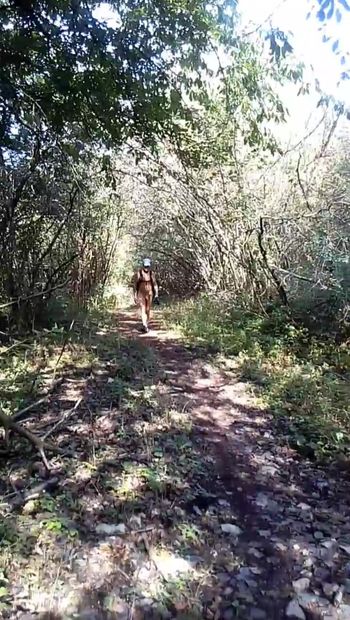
{"x":121,"y":611}
{"x":261,"y":500}
{"x":338,"y":599}
{"x":329,"y":544}
{"x":246,"y":574}
{"x":321,"y":574}
{"x":345,"y":548}
{"x":109,"y":529}
{"x":91,"y":614}
{"x":311,"y":602}
{"x":146,"y":602}
{"x":330,"y":589}
{"x":268,"y":470}
{"x":300,"y":585}
{"x":257,"y":614}
{"x":135,"y":522}
{"x":347,"y":586}
{"x":303,"y":506}
{"x":281,"y":547}
{"x":318,"y":535}
{"x":224,"y":503}
{"x":255,"y":553}
{"x":30,"y":507}
{"x":230,"y":528}
{"x":224,"y":578}
{"x":295,"y":611}
{"x":245,"y":594}
{"x":229,"y":614}
{"x":306,"y":573}
{"x":344,"y":612}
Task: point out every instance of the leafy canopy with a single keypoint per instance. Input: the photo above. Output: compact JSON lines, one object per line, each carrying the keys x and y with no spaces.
{"x":61,"y":62}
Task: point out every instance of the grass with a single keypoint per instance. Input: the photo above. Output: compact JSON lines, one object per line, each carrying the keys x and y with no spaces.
{"x":135,"y":462}
{"x":139,"y":463}
{"x":302,"y":377}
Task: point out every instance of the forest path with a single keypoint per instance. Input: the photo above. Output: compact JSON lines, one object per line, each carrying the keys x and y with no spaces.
{"x":175,"y":495}
{"x":293,"y":542}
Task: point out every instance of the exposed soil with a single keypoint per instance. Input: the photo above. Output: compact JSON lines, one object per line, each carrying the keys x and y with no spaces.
{"x":183,"y":499}
{"x":293,"y":514}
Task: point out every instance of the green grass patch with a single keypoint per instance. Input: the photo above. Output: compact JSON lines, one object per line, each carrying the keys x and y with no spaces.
{"x":302,"y":377}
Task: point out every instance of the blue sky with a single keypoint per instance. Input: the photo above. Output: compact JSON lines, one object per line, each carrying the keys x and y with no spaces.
{"x":290,"y":15}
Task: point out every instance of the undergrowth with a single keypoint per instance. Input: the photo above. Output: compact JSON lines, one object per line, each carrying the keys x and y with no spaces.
{"x":300,"y":376}
{"x":136,"y":466}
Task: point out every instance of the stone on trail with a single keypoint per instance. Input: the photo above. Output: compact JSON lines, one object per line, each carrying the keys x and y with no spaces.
{"x":338,"y":598}
{"x":109,"y":529}
{"x":303,"y":506}
{"x":344,"y":612}
{"x":300,"y":585}
{"x":330,"y":589}
{"x":230,"y":528}
{"x":294,"y":611}
{"x":257,"y":614}
{"x":315,"y":604}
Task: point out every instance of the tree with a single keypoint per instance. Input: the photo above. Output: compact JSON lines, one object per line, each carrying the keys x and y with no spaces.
{"x":59,"y":62}
{"x":333,"y":10}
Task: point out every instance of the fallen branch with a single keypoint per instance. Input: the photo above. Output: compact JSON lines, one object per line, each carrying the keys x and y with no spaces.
{"x":292,"y":274}
{"x":271,"y":271}
{"x":152,"y":556}
{"x":63,"y":419}
{"x":22,"y":412}
{"x":19,"y":414}
{"x":15,"y":344}
{"x":9,"y":424}
{"x":139,"y":458}
{"x":303,"y":191}
{"x":65,"y":342}
{"x":35,"y":492}
{"x":20,"y":300}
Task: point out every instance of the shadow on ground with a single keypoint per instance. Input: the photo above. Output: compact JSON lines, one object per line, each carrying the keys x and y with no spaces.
{"x":182,"y":500}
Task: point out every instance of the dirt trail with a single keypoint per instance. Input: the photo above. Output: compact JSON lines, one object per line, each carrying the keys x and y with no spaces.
{"x":179,"y":499}
{"x":294,"y":518}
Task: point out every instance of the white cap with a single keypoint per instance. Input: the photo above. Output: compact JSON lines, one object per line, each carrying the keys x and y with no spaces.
{"x":146,"y":262}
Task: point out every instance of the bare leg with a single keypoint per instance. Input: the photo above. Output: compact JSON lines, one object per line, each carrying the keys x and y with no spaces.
{"x":148,"y":309}
{"x":143,"y":305}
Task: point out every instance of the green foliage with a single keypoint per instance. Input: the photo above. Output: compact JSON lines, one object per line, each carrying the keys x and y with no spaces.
{"x":302,"y":377}
{"x":60,"y":61}
{"x":333,"y":11}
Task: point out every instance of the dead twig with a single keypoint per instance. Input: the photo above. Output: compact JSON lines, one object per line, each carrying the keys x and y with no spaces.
{"x":151,"y":555}
{"x":64,"y":418}
{"x":43,"y":293}
{"x":65,"y":342}
{"x":138,"y":458}
{"x":10,"y":425}
{"x":35,"y":492}
{"x":12,"y":346}
{"x":18,"y":415}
